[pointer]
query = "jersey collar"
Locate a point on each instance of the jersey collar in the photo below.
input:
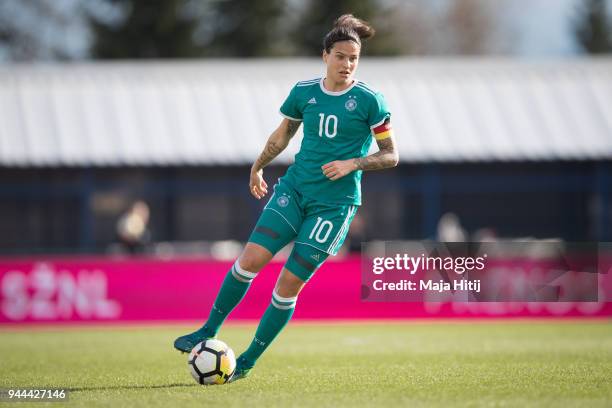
(325, 91)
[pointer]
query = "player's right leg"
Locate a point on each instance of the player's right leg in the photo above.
(274, 229)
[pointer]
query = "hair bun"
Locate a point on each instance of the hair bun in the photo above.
(362, 28)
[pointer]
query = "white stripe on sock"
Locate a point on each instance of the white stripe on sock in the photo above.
(282, 307)
(238, 277)
(283, 299)
(242, 272)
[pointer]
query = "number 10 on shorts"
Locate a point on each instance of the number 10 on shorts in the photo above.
(321, 230)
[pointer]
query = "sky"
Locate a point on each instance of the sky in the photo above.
(544, 27)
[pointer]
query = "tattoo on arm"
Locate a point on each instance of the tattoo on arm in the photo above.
(271, 150)
(274, 147)
(292, 127)
(385, 157)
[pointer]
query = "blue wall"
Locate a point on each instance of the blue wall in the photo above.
(74, 210)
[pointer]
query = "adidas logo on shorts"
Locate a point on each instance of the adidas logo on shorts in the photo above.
(315, 257)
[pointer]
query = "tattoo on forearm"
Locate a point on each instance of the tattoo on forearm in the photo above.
(385, 157)
(274, 148)
(269, 153)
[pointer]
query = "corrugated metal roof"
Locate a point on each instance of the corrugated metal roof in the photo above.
(222, 111)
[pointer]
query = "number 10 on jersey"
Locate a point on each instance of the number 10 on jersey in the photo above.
(328, 125)
(321, 230)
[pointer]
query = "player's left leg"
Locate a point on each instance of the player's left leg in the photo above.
(284, 298)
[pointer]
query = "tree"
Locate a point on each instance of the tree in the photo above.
(318, 16)
(593, 29)
(243, 28)
(189, 28)
(130, 29)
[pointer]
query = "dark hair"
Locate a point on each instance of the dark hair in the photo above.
(347, 28)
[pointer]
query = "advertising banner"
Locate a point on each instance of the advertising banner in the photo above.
(141, 289)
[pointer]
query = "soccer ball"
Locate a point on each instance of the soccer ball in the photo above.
(211, 362)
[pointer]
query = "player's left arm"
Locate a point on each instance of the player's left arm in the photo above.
(385, 157)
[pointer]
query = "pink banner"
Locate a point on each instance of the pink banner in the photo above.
(99, 289)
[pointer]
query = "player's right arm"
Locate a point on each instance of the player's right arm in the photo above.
(277, 142)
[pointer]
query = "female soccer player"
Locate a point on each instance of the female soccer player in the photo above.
(316, 200)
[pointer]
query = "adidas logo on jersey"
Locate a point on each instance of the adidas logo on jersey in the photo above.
(315, 257)
(312, 100)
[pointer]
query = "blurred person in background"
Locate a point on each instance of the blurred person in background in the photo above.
(450, 229)
(316, 200)
(133, 228)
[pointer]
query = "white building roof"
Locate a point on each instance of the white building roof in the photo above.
(222, 111)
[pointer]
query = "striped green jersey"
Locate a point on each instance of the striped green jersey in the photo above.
(337, 126)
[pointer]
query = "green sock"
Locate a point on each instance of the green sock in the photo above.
(275, 318)
(233, 289)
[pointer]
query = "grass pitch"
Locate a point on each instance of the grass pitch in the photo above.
(541, 363)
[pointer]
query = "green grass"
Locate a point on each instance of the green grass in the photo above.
(398, 364)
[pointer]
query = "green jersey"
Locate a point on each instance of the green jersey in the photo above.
(337, 126)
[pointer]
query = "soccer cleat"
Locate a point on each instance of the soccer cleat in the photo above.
(187, 342)
(243, 369)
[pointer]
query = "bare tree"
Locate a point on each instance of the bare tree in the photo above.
(469, 26)
(449, 27)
